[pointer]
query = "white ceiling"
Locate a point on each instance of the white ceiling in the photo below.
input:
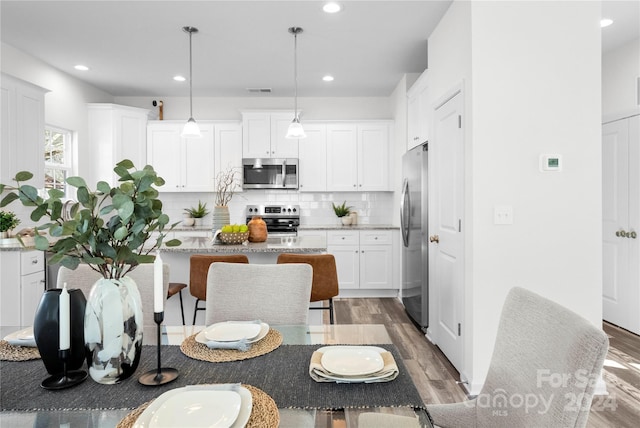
(134, 48)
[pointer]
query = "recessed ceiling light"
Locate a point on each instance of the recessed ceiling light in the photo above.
(328, 78)
(332, 7)
(179, 78)
(81, 67)
(605, 22)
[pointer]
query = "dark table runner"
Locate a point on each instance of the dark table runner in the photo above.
(283, 374)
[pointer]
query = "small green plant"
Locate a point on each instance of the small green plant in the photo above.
(341, 210)
(8, 221)
(199, 211)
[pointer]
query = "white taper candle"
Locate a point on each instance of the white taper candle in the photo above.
(64, 324)
(158, 294)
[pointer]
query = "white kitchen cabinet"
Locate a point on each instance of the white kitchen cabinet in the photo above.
(21, 130)
(358, 156)
(186, 164)
(228, 150)
(313, 159)
(116, 132)
(264, 134)
(21, 286)
(364, 259)
(418, 112)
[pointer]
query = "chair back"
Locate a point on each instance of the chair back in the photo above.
(325, 274)
(199, 269)
(545, 364)
(83, 277)
(277, 294)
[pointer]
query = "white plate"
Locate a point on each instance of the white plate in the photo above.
(22, 337)
(199, 406)
(352, 360)
(350, 379)
(232, 331)
(201, 337)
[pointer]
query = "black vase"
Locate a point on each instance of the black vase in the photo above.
(46, 331)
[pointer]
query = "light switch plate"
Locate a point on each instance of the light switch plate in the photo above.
(503, 214)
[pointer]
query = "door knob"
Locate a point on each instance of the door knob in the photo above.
(621, 233)
(434, 238)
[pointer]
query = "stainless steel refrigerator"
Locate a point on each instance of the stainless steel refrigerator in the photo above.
(413, 225)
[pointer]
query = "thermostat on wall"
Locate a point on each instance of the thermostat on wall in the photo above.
(550, 162)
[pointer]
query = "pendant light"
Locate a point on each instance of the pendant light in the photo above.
(191, 128)
(295, 128)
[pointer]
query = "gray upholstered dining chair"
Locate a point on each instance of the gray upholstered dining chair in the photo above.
(277, 294)
(545, 364)
(83, 277)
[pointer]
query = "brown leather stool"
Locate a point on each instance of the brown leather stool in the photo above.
(176, 288)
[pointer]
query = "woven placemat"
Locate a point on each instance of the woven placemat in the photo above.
(264, 412)
(9, 352)
(200, 351)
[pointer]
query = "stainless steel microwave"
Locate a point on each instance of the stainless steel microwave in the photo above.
(268, 173)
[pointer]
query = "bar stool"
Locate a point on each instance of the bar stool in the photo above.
(325, 277)
(176, 288)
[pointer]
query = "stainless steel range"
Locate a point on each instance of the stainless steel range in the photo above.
(281, 220)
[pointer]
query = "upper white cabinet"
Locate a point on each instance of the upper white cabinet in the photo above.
(21, 130)
(116, 132)
(191, 164)
(418, 112)
(264, 135)
(358, 156)
(312, 159)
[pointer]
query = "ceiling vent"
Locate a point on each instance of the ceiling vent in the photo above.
(259, 90)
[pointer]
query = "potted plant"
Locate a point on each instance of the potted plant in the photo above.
(112, 230)
(8, 221)
(342, 211)
(198, 213)
(225, 183)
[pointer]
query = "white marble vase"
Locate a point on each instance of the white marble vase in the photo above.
(113, 329)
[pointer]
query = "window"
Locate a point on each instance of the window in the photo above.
(57, 158)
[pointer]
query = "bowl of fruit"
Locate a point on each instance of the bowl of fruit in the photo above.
(234, 233)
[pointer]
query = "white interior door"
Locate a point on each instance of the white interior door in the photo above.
(446, 270)
(615, 218)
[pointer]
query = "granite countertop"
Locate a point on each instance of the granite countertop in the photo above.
(12, 244)
(299, 244)
(350, 227)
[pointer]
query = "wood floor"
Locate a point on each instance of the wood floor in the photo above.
(436, 378)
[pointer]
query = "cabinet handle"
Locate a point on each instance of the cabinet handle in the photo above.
(633, 235)
(362, 251)
(354, 185)
(34, 262)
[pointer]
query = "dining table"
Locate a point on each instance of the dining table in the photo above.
(297, 343)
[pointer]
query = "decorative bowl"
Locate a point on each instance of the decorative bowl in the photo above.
(233, 238)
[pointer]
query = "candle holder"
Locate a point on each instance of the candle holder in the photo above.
(66, 379)
(161, 375)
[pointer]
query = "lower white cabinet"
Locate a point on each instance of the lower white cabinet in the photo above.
(364, 259)
(20, 288)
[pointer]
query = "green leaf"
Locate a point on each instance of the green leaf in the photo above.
(70, 262)
(56, 210)
(28, 194)
(55, 193)
(40, 211)
(56, 231)
(76, 182)
(126, 163)
(2, 186)
(41, 243)
(145, 259)
(121, 233)
(104, 187)
(8, 199)
(24, 176)
(173, 243)
(83, 196)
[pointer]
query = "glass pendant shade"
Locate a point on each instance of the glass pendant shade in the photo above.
(191, 129)
(295, 130)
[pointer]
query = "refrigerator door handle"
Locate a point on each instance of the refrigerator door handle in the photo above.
(405, 210)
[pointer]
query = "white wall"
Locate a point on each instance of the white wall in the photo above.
(620, 73)
(398, 100)
(534, 88)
